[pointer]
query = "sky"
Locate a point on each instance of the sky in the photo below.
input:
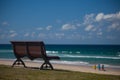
(60, 21)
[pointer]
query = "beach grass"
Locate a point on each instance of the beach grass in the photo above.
(19, 73)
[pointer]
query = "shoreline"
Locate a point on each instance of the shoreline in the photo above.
(78, 68)
(64, 62)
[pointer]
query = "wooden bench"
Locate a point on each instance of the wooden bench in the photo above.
(32, 50)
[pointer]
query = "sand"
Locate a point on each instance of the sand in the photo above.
(81, 68)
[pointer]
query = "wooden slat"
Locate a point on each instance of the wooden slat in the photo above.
(19, 49)
(35, 49)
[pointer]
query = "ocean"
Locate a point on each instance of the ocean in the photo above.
(109, 55)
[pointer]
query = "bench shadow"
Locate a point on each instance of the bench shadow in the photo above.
(37, 68)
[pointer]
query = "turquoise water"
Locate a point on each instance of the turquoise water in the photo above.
(76, 54)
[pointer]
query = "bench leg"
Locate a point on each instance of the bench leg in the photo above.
(14, 63)
(18, 61)
(46, 65)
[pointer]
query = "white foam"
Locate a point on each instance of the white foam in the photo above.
(71, 62)
(52, 52)
(62, 52)
(81, 56)
(78, 52)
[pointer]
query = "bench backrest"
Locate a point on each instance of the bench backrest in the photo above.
(31, 49)
(19, 49)
(36, 50)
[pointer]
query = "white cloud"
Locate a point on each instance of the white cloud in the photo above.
(102, 16)
(108, 16)
(108, 22)
(114, 26)
(99, 16)
(78, 24)
(59, 35)
(68, 27)
(99, 33)
(88, 19)
(48, 27)
(13, 35)
(26, 34)
(5, 23)
(12, 31)
(42, 35)
(40, 28)
(118, 15)
(89, 27)
(32, 34)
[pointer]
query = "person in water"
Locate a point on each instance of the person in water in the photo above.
(103, 69)
(94, 67)
(99, 67)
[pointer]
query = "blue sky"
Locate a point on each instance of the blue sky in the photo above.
(60, 21)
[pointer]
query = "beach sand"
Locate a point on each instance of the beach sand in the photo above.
(81, 68)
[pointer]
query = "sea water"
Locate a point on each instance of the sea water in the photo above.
(109, 55)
